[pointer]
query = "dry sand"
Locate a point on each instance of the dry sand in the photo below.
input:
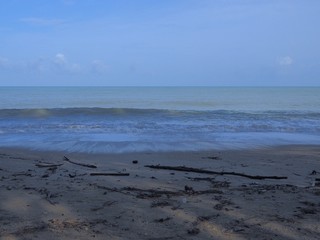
(66, 202)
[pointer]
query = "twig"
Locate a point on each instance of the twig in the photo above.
(22, 174)
(106, 204)
(155, 193)
(198, 170)
(47, 165)
(80, 164)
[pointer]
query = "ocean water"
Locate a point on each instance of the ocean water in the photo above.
(130, 119)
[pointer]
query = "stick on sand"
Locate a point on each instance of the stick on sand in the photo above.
(198, 170)
(80, 164)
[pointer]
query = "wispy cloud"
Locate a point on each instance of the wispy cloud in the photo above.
(98, 66)
(56, 64)
(61, 62)
(60, 59)
(285, 61)
(42, 21)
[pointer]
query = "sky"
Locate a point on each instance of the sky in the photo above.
(160, 43)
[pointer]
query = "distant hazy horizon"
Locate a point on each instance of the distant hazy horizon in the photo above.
(238, 98)
(169, 86)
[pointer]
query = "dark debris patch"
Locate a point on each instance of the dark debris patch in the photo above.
(194, 231)
(161, 220)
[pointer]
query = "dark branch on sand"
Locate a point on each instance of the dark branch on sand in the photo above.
(47, 165)
(155, 193)
(80, 164)
(198, 170)
(22, 174)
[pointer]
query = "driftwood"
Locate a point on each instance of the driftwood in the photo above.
(155, 193)
(109, 174)
(209, 179)
(48, 165)
(80, 164)
(213, 158)
(22, 174)
(106, 204)
(198, 170)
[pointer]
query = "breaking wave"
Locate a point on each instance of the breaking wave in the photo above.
(134, 129)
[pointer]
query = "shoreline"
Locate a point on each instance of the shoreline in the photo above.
(66, 202)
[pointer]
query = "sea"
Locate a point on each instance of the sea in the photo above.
(153, 119)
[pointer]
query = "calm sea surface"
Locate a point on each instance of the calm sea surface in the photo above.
(124, 119)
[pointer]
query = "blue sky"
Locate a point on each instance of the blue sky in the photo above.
(160, 42)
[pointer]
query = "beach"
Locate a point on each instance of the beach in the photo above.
(159, 120)
(44, 195)
(171, 163)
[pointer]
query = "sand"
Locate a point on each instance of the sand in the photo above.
(66, 202)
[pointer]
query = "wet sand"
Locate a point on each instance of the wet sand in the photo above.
(43, 196)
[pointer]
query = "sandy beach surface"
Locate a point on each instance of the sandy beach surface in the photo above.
(44, 196)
